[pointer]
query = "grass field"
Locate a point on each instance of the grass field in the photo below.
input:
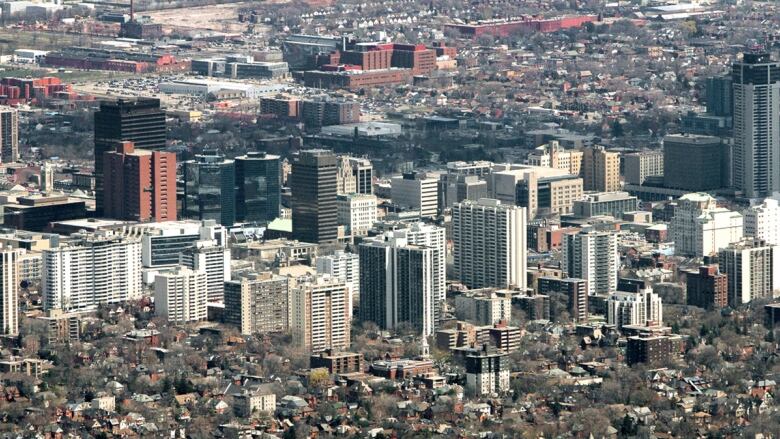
(66, 75)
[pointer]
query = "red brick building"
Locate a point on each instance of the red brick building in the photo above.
(708, 288)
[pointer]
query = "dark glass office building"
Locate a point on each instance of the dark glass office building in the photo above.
(209, 188)
(258, 187)
(313, 185)
(139, 120)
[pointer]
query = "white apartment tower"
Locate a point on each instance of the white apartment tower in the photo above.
(753, 270)
(180, 295)
(344, 266)
(9, 291)
(762, 221)
(642, 308)
(212, 259)
(489, 244)
(592, 256)
(417, 191)
(701, 228)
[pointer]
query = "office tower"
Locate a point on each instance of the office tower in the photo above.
(212, 259)
(47, 177)
(363, 175)
(576, 291)
(344, 266)
(707, 288)
(640, 165)
(258, 303)
(762, 221)
(700, 228)
(694, 163)
(756, 125)
(91, 270)
(642, 308)
(313, 185)
(605, 203)
(9, 135)
(552, 155)
(36, 212)
(543, 191)
(397, 283)
(489, 244)
(258, 187)
(357, 213)
(180, 295)
(592, 256)
(320, 317)
(652, 349)
(753, 270)
(209, 188)
(163, 243)
(600, 169)
(139, 185)
(455, 188)
(720, 95)
(345, 179)
(484, 307)
(487, 372)
(9, 291)
(139, 120)
(416, 191)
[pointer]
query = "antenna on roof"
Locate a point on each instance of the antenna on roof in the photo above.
(132, 11)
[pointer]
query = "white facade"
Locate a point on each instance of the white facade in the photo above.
(357, 212)
(214, 260)
(416, 191)
(483, 308)
(9, 291)
(700, 228)
(180, 295)
(319, 314)
(344, 266)
(643, 308)
(489, 244)
(92, 270)
(753, 270)
(640, 165)
(592, 256)
(763, 221)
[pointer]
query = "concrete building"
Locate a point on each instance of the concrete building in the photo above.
(319, 314)
(489, 240)
(9, 291)
(642, 308)
(214, 260)
(543, 191)
(346, 267)
(576, 291)
(592, 256)
(416, 191)
(605, 203)
(762, 221)
(357, 213)
(600, 169)
(355, 175)
(314, 208)
(398, 283)
(753, 270)
(487, 372)
(707, 288)
(638, 166)
(455, 188)
(695, 162)
(258, 303)
(552, 155)
(9, 135)
(91, 270)
(700, 228)
(484, 307)
(180, 295)
(139, 185)
(756, 82)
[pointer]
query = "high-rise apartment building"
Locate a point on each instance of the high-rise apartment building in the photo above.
(416, 191)
(753, 270)
(593, 256)
(344, 266)
(209, 188)
(487, 372)
(640, 165)
(9, 291)
(642, 308)
(576, 291)
(700, 228)
(707, 288)
(139, 185)
(214, 260)
(600, 169)
(90, 270)
(258, 187)
(319, 314)
(762, 221)
(139, 120)
(9, 135)
(489, 244)
(756, 81)
(398, 283)
(180, 295)
(258, 303)
(313, 185)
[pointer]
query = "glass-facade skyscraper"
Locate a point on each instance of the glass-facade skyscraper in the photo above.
(209, 188)
(258, 187)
